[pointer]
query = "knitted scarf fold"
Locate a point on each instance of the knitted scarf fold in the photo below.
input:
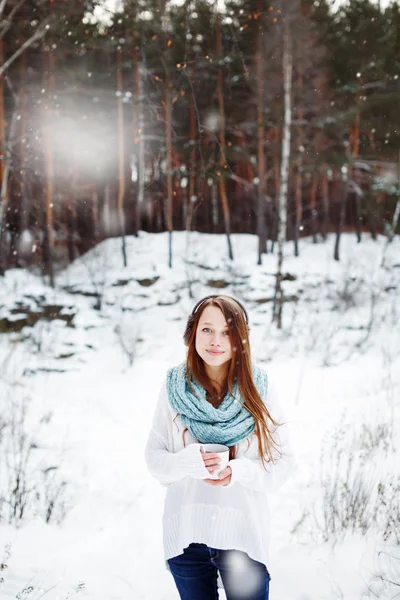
(227, 424)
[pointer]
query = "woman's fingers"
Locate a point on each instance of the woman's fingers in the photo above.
(211, 461)
(210, 456)
(224, 478)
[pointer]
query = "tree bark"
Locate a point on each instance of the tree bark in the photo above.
(396, 213)
(95, 214)
(261, 212)
(285, 162)
(325, 203)
(313, 210)
(23, 205)
(3, 172)
(222, 161)
(121, 158)
(275, 207)
(341, 216)
(299, 174)
(358, 206)
(168, 110)
(138, 135)
(355, 153)
(192, 167)
(49, 234)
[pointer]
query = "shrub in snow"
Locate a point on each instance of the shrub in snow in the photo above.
(385, 582)
(36, 589)
(29, 486)
(347, 293)
(128, 335)
(357, 492)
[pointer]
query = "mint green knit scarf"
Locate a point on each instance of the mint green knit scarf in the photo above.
(227, 424)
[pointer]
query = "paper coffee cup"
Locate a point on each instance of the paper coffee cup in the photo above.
(223, 452)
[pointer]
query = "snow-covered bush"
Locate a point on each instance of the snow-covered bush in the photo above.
(36, 588)
(357, 492)
(29, 485)
(347, 293)
(128, 335)
(385, 582)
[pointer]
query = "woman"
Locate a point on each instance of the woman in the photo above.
(216, 531)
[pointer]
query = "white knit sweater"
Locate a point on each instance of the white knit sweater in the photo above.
(232, 517)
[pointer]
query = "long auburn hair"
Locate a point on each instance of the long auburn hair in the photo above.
(240, 368)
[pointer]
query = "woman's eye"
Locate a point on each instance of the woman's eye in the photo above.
(206, 329)
(226, 332)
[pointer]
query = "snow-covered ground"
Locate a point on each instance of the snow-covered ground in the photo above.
(88, 412)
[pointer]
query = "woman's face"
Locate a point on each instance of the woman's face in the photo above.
(213, 342)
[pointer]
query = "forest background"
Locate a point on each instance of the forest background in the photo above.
(253, 147)
(243, 116)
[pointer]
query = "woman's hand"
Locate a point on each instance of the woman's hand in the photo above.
(211, 460)
(224, 478)
(212, 463)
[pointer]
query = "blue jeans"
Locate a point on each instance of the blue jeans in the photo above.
(196, 571)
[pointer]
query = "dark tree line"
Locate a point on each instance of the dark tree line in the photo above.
(165, 117)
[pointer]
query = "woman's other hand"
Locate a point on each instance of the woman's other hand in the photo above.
(211, 460)
(224, 478)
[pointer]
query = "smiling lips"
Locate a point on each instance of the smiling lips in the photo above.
(214, 352)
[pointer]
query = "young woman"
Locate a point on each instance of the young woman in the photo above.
(216, 531)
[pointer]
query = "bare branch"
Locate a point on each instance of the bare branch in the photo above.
(2, 6)
(39, 34)
(243, 182)
(9, 18)
(354, 187)
(11, 88)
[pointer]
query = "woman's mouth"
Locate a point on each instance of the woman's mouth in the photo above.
(215, 352)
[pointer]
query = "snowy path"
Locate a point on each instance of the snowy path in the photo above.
(111, 539)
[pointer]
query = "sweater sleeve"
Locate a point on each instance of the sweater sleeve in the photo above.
(164, 464)
(251, 473)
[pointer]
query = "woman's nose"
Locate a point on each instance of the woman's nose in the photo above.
(216, 339)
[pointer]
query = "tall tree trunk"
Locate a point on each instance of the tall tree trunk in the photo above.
(214, 208)
(222, 161)
(23, 250)
(313, 202)
(374, 202)
(356, 131)
(166, 60)
(358, 203)
(396, 214)
(341, 215)
(299, 174)
(121, 158)
(71, 228)
(2, 116)
(49, 157)
(168, 115)
(138, 134)
(276, 170)
(3, 174)
(192, 167)
(325, 203)
(106, 212)
(314, 188)
(95, 214)
(261, 222)
(285, 163)
(355, 153)
(71, 210)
